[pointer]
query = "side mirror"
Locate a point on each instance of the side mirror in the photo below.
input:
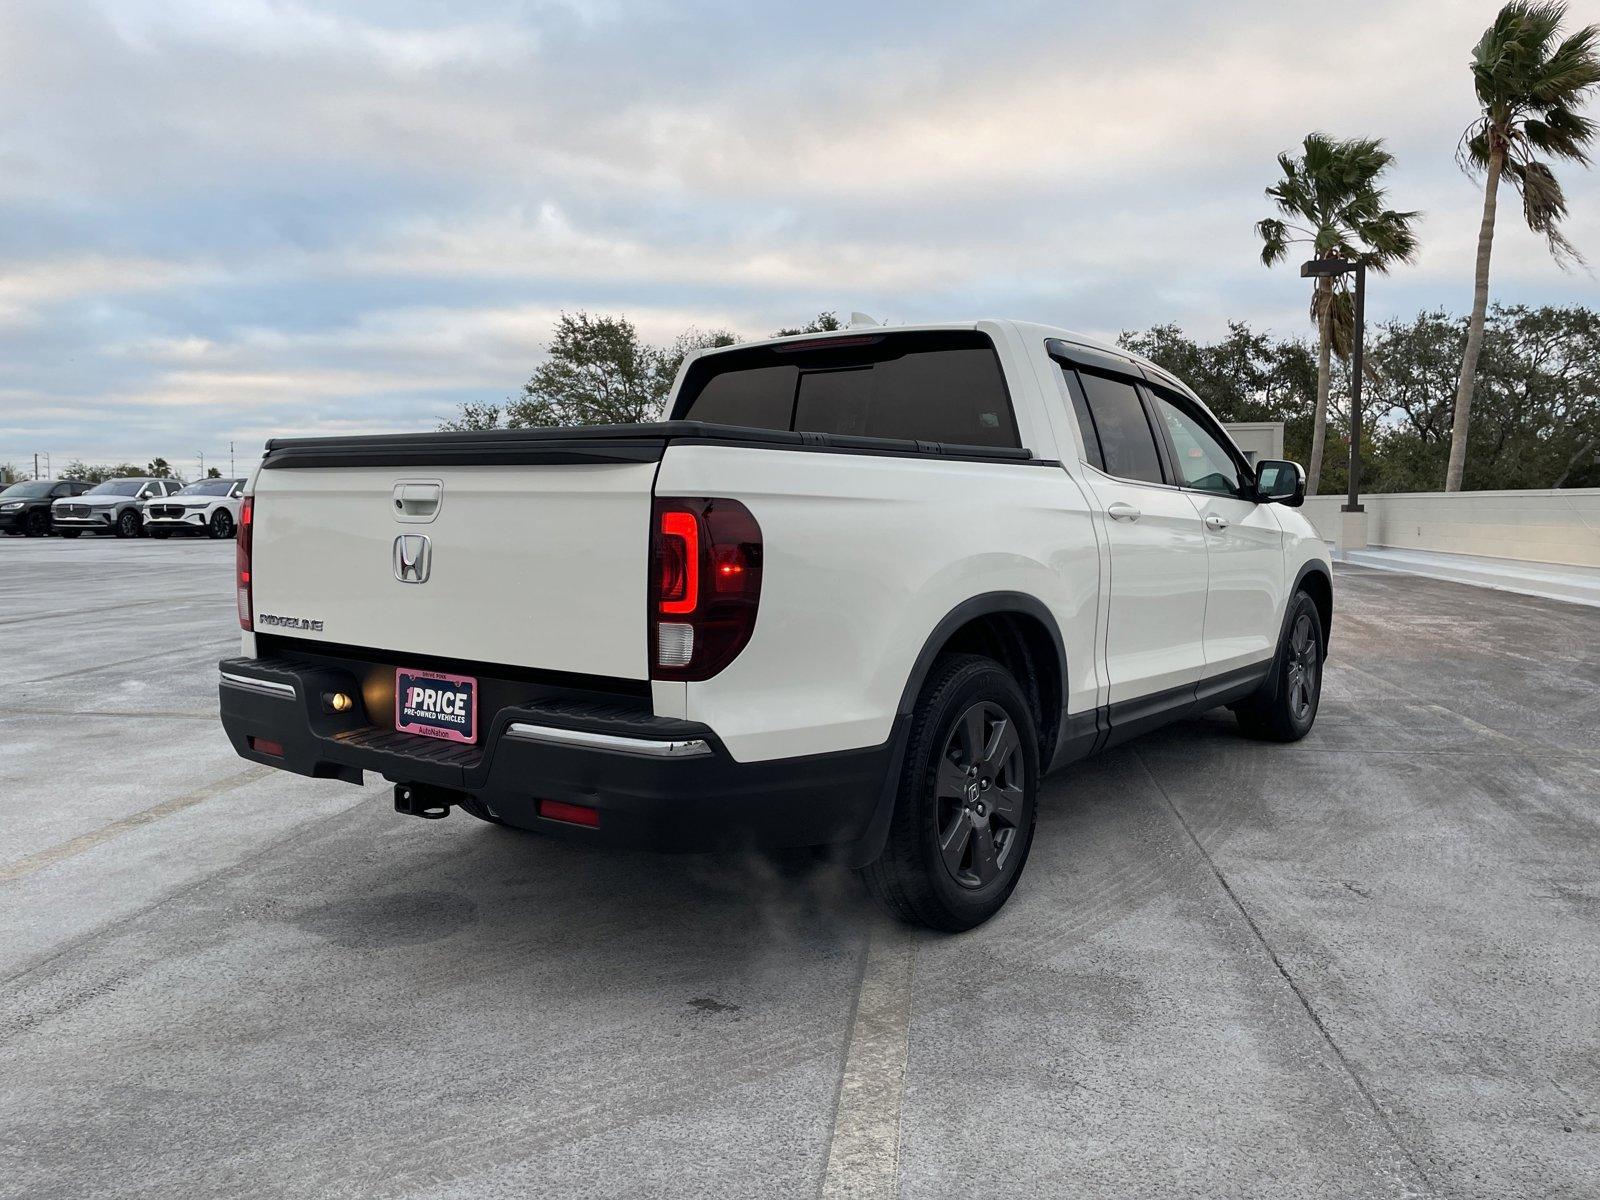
(1279, 481)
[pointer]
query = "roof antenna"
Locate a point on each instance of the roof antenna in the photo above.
(859, 320)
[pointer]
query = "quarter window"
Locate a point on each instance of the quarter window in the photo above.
(1127, 443)
(1203, 461)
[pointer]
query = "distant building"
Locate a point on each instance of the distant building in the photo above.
(1258, 439)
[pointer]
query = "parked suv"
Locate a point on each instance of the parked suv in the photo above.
(110, 507)
(208, 506)
(25, 507)
(859, 592)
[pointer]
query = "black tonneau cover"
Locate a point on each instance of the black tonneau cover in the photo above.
(590, 444)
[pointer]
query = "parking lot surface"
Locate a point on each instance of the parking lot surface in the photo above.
(1364, 965)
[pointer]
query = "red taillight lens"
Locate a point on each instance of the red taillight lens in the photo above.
(706, 585)
(678, 562)
(241, 557)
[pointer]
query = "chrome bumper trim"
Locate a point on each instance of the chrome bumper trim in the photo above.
(266, 686)
(646, 747)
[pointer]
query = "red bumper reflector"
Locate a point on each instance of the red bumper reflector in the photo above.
(572, 814)
(262, 746)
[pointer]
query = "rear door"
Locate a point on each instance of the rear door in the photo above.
(540, 566)
(1245, 593)
(1155, 637)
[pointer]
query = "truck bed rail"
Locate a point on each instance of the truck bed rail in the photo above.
(595, 444)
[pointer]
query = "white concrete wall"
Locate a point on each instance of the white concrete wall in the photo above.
(1553, 526)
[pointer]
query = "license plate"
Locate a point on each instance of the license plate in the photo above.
(435, 705)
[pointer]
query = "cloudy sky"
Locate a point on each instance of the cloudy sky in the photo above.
(228, 219)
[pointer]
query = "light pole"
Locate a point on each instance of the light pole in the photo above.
(1354, 529)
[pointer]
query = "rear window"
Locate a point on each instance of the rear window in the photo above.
(932, 387)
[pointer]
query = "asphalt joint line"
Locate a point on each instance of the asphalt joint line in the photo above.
(1349, 1068)
(864, 1148)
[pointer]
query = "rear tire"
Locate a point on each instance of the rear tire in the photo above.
(1287, 713)
(964, 813)
(158, 534)
(68, 533)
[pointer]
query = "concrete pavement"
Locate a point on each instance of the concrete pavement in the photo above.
(1364, 965)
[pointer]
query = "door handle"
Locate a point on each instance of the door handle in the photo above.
(1215, 523)
(1121, 511)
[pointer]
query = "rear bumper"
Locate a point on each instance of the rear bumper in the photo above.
(655, 783)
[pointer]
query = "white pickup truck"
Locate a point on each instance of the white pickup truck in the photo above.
(860, 591)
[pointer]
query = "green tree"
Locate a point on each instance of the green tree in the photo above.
(1330, 200)
(598, 372)
(823, 322)
(78, 469)
(213, 473)
(1530, 88)
(473, 416)
(1244, 376)
(1536, 418)
(159, 468)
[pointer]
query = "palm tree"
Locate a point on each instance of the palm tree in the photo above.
(1530, 90)
(1330, 200)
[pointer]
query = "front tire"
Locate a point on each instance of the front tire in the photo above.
(36, 526)
(128, 524)
(220, 526)
(964, 814)
(1287, 713)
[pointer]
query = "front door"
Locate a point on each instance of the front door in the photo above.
(1245, 596)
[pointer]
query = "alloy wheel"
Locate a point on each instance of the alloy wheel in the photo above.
(1303, 668)
(979, 795)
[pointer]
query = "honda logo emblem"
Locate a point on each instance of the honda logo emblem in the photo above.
(413, 558)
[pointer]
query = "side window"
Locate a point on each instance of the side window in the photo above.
(1080, 410)
(1203, 461)
(1127, 442)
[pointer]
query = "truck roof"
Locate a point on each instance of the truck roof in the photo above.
(1027, 330)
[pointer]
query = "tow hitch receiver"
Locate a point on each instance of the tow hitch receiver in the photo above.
(423, 800)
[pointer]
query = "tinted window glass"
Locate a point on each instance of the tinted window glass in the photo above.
(1203, 461)
(115, 487)
(28, 491)
(1080, 409)
(761, 396)
(933, 387)
(1126, 440)
(208, 487)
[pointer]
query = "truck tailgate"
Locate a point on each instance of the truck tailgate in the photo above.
(541, 566)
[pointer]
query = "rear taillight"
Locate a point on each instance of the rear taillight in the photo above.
(705, 585)
(241, 556)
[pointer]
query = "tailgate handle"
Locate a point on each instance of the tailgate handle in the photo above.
(417, 500)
